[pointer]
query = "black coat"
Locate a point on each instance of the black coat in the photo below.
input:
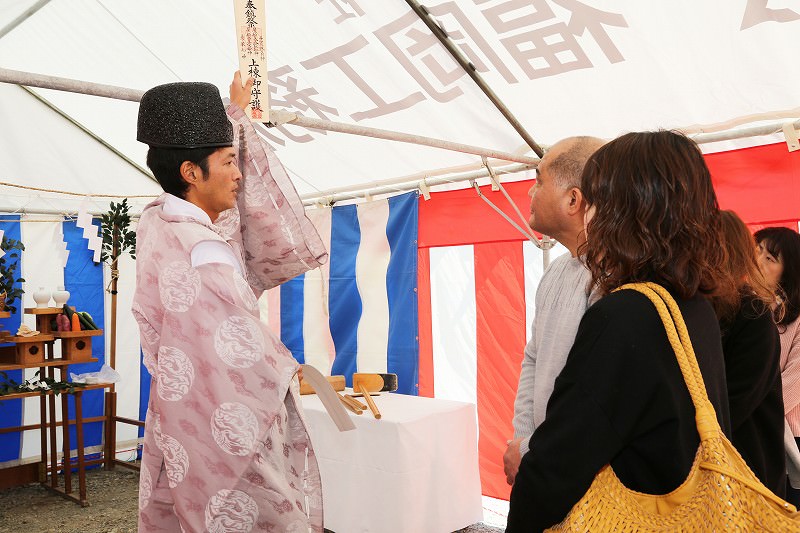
(620, 399)
(752, 350)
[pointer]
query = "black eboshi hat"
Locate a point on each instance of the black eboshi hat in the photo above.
(183, 115)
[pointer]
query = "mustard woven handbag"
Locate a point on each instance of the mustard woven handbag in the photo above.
(721, 493)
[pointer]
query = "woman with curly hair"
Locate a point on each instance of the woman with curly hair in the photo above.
(779, 257)
(621, 397)
(752, 358)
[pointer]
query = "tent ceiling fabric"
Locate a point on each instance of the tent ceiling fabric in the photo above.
(563, 67)
(43, 150)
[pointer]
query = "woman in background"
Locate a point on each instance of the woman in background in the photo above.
(621, 397)
(779, 258)
(752, 358)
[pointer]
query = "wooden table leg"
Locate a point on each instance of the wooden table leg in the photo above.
(112, 427)
(79, 438)
(66, 462)
(43, 436)
(108, 450)
(51, 400)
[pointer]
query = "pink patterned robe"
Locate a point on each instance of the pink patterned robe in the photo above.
(225, 447)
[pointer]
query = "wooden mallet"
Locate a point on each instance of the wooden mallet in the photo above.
(337, 382)
(365, 383)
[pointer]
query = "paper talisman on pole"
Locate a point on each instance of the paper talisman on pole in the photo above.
(251, 41)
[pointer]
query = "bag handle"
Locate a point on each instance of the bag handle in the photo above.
(707, 425)
(705, 416)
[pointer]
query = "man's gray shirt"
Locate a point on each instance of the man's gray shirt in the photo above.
(561, 301)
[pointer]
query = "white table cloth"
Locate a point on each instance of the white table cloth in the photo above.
(413, 471)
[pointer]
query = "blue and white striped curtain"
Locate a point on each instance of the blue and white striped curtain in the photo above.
(42, 266)
(357, 313)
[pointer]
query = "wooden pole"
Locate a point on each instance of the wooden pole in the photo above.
(109, 446)
(111, 404)
(114, 277)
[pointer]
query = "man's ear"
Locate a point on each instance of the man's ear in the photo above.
(188, 172)
(575, 202)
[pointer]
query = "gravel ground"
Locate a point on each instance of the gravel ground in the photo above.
(112, 507)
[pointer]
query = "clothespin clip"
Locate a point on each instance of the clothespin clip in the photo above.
(367, 197)
(790, 134)
(424, 189)
(492, 175)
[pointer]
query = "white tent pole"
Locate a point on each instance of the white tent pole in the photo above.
(755, 131)
(43, 81)
(121, 93)
(405, 184)
(333, 196)
(416, 177)
(429, 178)
(439, 32)
(353, 129)
(23, 17)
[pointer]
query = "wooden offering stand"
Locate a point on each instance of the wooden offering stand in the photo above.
(29, 350)
(37, 352)
(43, 316)
(76, 346)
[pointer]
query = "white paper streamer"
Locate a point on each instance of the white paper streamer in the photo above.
(2, 252)
(90, 231)
(63, 252)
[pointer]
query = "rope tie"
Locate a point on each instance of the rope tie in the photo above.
(114, 277)
(69, 193)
